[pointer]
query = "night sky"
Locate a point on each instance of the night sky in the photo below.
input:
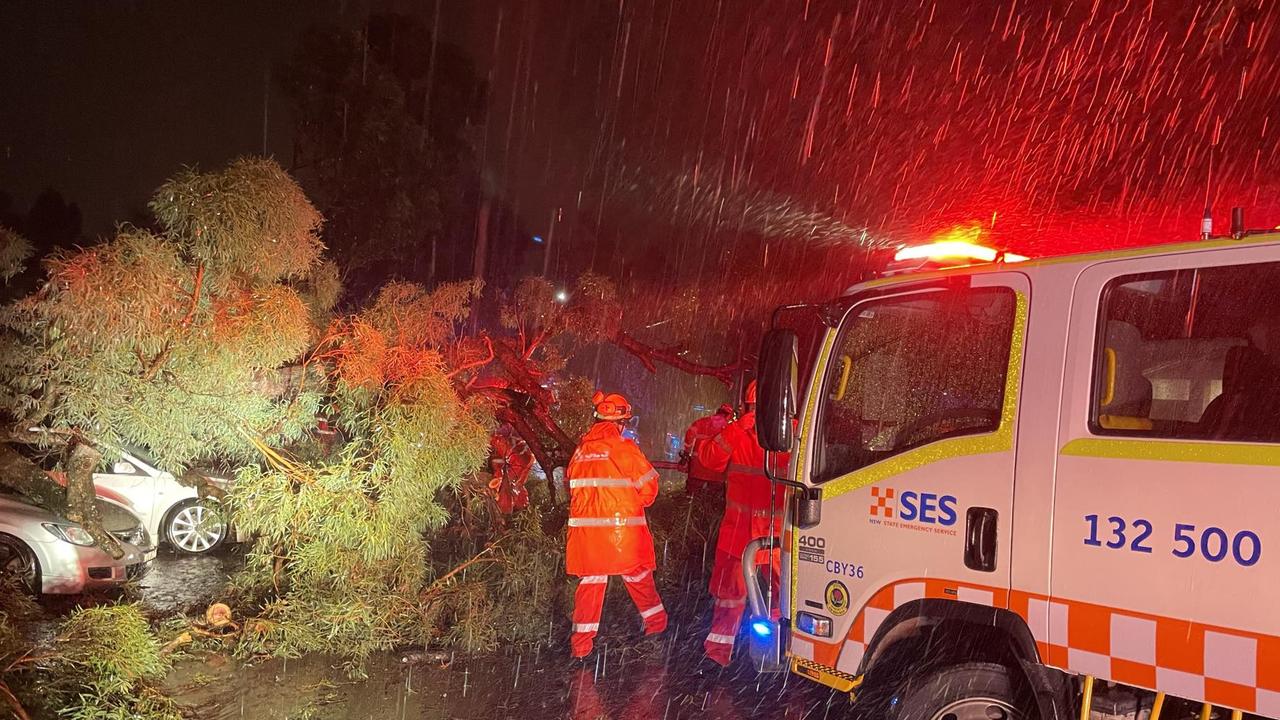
(1059, 124)
(102, 101)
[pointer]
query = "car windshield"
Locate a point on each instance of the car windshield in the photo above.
(142, 455)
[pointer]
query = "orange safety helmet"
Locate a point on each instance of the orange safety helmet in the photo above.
(611, 407)
(751, 393)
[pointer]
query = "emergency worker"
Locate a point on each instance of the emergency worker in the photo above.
(510, 463)
(610, 484)
(699, 476)
(752, 509)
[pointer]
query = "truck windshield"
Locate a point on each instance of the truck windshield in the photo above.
(911, 370)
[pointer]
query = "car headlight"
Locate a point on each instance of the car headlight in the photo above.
(73, 534)
(134, 536)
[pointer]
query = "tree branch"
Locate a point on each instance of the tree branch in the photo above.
(649, 356)
(157, 362)
(24, 476)
(546, 460)
(478, 363)
(12, 700)
(195, 297)
(522, 376)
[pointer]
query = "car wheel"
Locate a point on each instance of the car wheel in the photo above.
(972, 691)
(18, 564)
(195, 527)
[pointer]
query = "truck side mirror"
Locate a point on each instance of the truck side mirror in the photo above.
(776, 390)
(808, 507)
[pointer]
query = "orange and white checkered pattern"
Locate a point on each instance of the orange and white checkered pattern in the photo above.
(847, 656)
(1225, 667)
(1232, 668)
(883, 497)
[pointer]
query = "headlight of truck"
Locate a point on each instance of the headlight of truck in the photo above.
(812, 624)
(73, 534)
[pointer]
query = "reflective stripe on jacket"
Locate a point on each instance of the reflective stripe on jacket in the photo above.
(610, 484)
(747, 514)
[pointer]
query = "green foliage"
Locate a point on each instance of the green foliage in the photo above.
(15, 250)
(160, 340)
(251, 220)
(115, 643)
(573, 409)
(513, 599)
(100, 666)
(340, 553)
(595, 310)
(321, 292)
(411, 316)
(591, 313)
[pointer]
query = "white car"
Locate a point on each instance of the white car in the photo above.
(172, 513)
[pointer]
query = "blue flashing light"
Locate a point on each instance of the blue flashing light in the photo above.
(537, 239)
(762, 628)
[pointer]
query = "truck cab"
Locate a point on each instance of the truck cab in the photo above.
(1014, 480)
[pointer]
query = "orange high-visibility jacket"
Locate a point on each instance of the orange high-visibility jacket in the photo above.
(747, 515)
(702, 431)
(610, 484)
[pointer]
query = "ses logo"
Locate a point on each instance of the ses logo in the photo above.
(923, 511)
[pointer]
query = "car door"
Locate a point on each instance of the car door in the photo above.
(913, 446)
(1165, 541)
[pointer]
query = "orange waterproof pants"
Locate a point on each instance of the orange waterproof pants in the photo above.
(731, 602)
(588, 601)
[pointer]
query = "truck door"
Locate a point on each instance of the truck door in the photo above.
(1165, 544)
(910, 433)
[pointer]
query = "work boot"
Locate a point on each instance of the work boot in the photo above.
(710, 668)
(575, 664)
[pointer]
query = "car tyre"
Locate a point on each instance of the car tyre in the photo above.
(18, 562)
(196, 526)
(971, 691)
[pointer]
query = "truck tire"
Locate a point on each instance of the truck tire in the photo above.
(972, 691)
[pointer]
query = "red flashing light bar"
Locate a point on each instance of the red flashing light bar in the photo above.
(954, 250)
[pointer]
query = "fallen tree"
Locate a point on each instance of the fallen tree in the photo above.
(155, 339)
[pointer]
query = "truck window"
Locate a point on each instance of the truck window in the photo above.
(911, 370)
(1191, 354)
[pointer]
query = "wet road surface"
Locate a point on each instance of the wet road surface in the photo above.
(625, 679)
(526, 685)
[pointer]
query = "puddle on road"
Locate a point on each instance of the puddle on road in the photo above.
(527, 686)
(186, 584)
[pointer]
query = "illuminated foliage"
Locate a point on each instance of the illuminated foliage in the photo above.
(159, 339)
(15, 250)
(102, 664)
(340, 554)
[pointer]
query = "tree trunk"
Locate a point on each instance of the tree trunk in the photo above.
(27, 479)
(82, 506)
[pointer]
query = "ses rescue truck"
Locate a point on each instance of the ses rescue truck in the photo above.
(1031, 489)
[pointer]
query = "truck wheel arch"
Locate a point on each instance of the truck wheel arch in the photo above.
(913, 618)
(905, 620)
